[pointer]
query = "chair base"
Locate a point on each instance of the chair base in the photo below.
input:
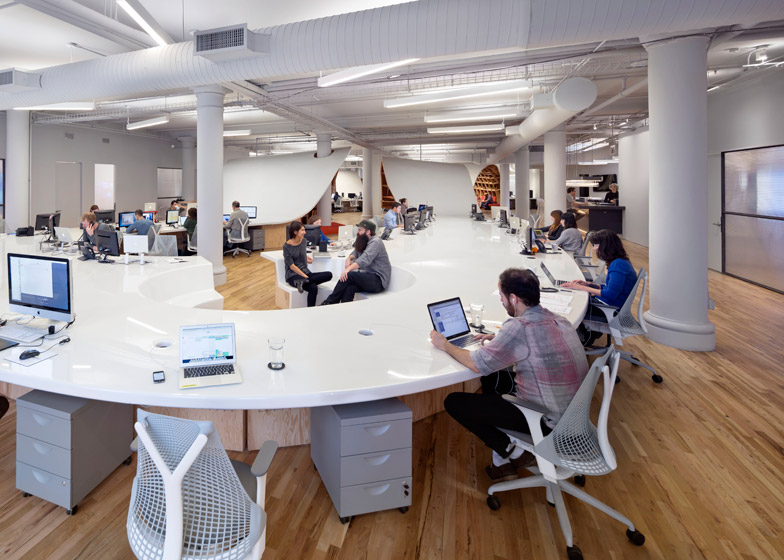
(629, 357)
(235, 251)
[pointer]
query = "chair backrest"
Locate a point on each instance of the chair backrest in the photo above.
(576, 443)
(165, 246)
(624, 321)
(192, 244)
(151, 235)
(187, 500)
(244, 235)
(533, 219)
(586, 245)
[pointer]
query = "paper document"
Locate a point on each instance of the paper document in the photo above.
(15, 352)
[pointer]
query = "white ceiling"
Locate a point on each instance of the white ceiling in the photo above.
(41, 33)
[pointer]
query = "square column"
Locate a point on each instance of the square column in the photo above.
(17, 169)
(324, 207)
(554, 172)
(522, 182)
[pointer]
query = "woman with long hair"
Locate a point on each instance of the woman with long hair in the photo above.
(554, 232)
(296, 260)
(570, 239)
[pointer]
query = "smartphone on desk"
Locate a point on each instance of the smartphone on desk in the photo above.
(158, 377)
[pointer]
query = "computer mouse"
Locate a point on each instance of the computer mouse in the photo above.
(27, 354)
(366, 332)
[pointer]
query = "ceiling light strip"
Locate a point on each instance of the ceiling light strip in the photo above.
(148, 122)
(466, 129)
(461, 93)
(360, 71)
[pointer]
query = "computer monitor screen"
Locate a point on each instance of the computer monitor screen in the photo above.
(135, 244)
(313, 234)
(585, 192)
(502, 217)
(107, 242)
(473, 209)
(42, 220)
(172, 216)
(104, 216)
(127, 218)
(227, 216)
(148, 215)
(182, 220)
(250, 211)
(352, 195)
(40, 286)
(421, 207)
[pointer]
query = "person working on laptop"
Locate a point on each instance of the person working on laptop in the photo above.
(141, 226)
(296, 261)
(619, 282)
(570, 238)
(367, 268)
(390, 218)
(234, 225)
(548, 363)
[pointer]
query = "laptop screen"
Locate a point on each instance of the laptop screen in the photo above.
(206, 345)
(449, 318)
(547, 273)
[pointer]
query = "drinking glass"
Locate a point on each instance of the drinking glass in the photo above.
(276, 353)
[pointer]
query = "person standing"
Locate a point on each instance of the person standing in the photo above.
(612, 196)
(296, 260)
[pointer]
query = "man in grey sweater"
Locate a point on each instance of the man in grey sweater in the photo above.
(367, 268)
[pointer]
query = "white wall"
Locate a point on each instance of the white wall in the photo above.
(348, 181)
(633, 185)
(445, 186)
(747, 115)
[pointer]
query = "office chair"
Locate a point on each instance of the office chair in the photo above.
(236, 241)
(192, 245)
(337, 205)
(189, 500)
(151, 235)
(591, 272)
(533, 219)
(623, 324)
(164, 246)
(574, 447)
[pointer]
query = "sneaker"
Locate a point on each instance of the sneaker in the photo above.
(298, 284)
(511, 467)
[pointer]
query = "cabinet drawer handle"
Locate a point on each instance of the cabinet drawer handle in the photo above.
(377, 490)
(41, 420)
(378, 430)
(41, 477)
(41, 448)
(378, 459)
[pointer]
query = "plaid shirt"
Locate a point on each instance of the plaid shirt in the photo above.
(548, 359)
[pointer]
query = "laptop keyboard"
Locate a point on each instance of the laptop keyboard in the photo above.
(209, 371)
(462, 341)
(22, 334)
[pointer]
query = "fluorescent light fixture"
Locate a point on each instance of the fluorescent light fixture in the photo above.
(598, 162)
(474, 115)
(354, 158)
(67, 106)
(149, 122)
(466, 129)
(360, 71)
(135, 14)
(245, 132)
(713, 88)
(596, 146)
(459, 93)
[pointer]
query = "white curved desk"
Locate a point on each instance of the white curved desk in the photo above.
(123, 310)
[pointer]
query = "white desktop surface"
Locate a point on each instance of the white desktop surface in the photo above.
(122, 311)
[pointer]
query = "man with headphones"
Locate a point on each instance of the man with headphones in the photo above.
(548, 365)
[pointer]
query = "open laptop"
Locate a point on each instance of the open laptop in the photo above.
(208, 356)
(450, 320)
(551, 278)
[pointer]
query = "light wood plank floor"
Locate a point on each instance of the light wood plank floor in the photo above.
(700, 466)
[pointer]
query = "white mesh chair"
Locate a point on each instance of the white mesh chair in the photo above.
(574, 447)
(623, 324)
(533, 219)
(237, 241)
(164, 246)
(192, 245)
(189, 500)
(151, 235)
(591, 272)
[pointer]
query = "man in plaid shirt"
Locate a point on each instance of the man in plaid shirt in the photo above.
(549, 364)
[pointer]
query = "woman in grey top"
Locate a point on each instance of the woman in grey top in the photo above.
(296, 260)
(570, 239)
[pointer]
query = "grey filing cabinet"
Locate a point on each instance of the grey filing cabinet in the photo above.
(65, 446)
(256, 239)
(363, 453)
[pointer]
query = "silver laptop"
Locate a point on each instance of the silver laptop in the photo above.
(63, 235)
(208, 356)
(450, 320)
(551, 278)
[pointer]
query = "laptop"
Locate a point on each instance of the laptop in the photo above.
(551, 278)
(208, 356)
(450, 320)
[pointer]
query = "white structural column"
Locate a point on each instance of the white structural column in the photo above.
(188, 167)
(209, 177)
(554, 172)
(367, 183)
(17, 169)
(376, 171)
(504, 194)
(522, 182)
(678, 209)
(324, 149)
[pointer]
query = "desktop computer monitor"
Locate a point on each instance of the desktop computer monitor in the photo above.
(40, 286)
(107, 243)
(352, 195)
(421, 207)
(409, 222)
(172, 217)
(423, 215)
(250, 211)
(104, 216)
(127, 218)
(312, 234)
(42, 221)
(226, 218)
(502, 220)
(148, 215)
(473, 209)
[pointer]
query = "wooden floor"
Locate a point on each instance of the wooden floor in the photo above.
(700, 467)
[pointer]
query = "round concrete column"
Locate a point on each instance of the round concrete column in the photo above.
(209, 177)
(522, 182)
(678, 208)
(17, 169)
(324, 207)
(504, 194)
(188, 167)
(377, 195)
(367, 183)
(554, 172)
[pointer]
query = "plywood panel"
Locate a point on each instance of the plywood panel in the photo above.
(13, 391)
(274, 236)
(428, 403)
(229, 423)
(287, 427)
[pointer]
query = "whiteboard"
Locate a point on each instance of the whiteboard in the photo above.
(169, 182)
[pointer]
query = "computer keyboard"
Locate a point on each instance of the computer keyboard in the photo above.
(209, 371)
(22, 334)
(463, 341)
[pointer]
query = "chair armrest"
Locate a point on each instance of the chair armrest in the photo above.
(525, 404)
(135, 444)
(263, 459)
(533, 415)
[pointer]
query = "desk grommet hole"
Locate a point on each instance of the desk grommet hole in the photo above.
(163, 343)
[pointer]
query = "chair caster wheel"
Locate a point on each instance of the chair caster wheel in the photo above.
(579, 480)
(403, 509)
(635, 536)
(551, 504)
(493, 503)
(128, 461)
(617, 379)
(657, 378)
(71, 511)
(574, 553)
(26, 494)
(345, 520)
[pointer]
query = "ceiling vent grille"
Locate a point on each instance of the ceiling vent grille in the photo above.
(12, 80)
(230, 43)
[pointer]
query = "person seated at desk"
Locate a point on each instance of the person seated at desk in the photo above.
(234, 225)
(548, 366)
(554, 231)
(296, 260)
(90, 225)
(93, 208)
(391, 217)
(190, 222)
(316, 221)
(570, 239)
(612, 196)
(367, 268)
(619, 281)
(141, 226)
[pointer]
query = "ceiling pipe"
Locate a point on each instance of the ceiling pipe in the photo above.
(624, 93)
